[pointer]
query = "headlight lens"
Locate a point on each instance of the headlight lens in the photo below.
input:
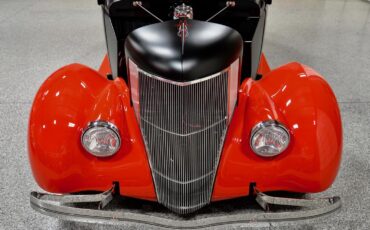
(269, 138)
(101, 139)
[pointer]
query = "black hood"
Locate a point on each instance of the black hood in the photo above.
(165, 50)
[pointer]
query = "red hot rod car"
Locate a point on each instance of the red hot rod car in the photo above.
(184, 111)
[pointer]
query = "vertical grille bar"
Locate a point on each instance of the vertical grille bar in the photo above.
(183, 127)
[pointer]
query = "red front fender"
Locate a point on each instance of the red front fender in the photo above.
(71, 98)
(299, 98)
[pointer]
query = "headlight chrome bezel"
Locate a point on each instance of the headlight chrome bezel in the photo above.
(267, 124)
(102, 124)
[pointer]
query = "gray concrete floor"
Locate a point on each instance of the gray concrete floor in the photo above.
(39, 36)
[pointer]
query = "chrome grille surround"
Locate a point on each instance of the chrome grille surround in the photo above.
(183, 125)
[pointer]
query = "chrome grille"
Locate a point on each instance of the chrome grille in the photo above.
(183, 127)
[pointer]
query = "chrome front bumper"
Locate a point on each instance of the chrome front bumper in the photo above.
(59, 206)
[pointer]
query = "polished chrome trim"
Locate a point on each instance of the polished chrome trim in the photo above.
(53, 205)
(104, 124)
(182, 182)
(140, 4)
(265, 124)
(188, 134)
(183, 11)
(187, 83)
(228, 4)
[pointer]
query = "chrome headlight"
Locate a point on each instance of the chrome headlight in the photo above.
(101, 139)
(269, 138)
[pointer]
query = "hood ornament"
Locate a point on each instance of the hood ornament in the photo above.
(182, 27)
(182, 13)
